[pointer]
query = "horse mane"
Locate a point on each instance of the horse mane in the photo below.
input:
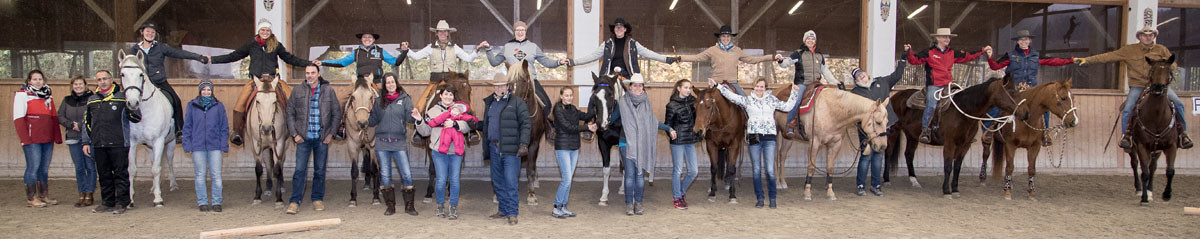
(971, 98)
(522, 83)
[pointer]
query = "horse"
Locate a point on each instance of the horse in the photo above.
(267, 133)
(722, 125)
(523, 87)
(1154, 131)
(361, 139)
(603, 102)
(156, 130)
(461, 83)
(909, 128)
(1053, 97)
(832, 112)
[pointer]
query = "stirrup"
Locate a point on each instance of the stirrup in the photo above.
(1126, 142)
(1185, 142)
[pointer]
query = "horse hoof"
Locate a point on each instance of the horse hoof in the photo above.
(174, 187)
(532, 201)
(429, 200)
(1145, 203)
(267, 193)
(807, 198)
(375, 202)
(256, 202)
(159, 204)
(947, 196)
(887, 183)
(353, 203)
(733, 201)
(278, 205)
(956, 195)
(603, 203)
(1150, 195)
(712, 199)
(832, 197)
(1032, 198)
(914, 182)
(1007, 198)
(1137, 193)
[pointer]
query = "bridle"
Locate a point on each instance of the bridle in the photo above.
(1160, 134)
(141, 85)
(1000, 120)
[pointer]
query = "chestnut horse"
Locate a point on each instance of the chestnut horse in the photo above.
(1154, 131)
(266, 132)
(1053, 97)
(722, 125)
(461, 83)
(361, 139)
(522, 86)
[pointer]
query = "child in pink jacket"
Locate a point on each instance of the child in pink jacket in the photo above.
(449, 134)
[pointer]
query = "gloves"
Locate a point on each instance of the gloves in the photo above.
(522, 151)
(1080, 61)
(672, 60)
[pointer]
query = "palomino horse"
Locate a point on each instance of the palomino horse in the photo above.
(1154, 131)
(832, 113)
(1053, 97)
(722, 125)
(156, 130)
(266, 131)
(361, 139)
(522, 86)
(461, 83)
(602, 104)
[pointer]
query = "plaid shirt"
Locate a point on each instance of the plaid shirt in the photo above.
(314, 115)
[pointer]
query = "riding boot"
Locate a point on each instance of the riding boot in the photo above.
(925, 136)
(43, 193)
(1185, 142)
(988, 136)
(82, 196)
(408, 202)
(791, 129)
(88, 200)
(239, 125)
(1126, 142)
(31, 196)
(389, 198)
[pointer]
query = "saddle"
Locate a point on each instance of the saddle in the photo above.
(810, 95)
(917, 101)
(280, 95)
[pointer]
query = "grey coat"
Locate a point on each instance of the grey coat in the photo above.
(297, 109)
(515, 51)
(391, 122)
(70, 112)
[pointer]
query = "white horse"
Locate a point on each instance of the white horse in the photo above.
(156, 130)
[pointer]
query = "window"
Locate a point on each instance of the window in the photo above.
(1179, 31)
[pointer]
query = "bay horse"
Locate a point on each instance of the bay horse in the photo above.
(522, 86)
(832, 113)
(1053, 97)
(602, 103)
(909, 128)
(1154, 131)
(722, 125)
(461, 83)
(361, 139)
(155, 130)
(266, 132)
(960, 122)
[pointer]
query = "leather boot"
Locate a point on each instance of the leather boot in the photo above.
(31, 196)
(1126, 142)
(924, 139)
(43, 193)
(88, 200)
(408, 202)
(238, 127)
(790, 131)
(389, 198)
(1185, 142)
(82, 196)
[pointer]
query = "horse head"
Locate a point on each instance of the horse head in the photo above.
(707, 109)
(604, 95)
(875, 125)
(266, 106)
(521, 83)
(1160, 74)
(360, 103)
(1002, 93)
(133, 77)
(1056, 97)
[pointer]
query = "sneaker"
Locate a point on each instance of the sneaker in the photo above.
(861, 191)
(772, 205)
(102, 209)
(557, 213)
(120, 209)
(678, 204)
(512, 220)
(683, 201)
(453, 215)
(568, 212)
(216, 208)
(629, 209)
(877, 191)
(759, 204)
(318, 206)
(639, 209)
(293, 208)
(440, 211)
(203, 208)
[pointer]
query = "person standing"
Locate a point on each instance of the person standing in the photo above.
(938, 60)
(206, 137)
(506, 123)
(447, 163)
(810, 67)
(566, 146)
(156, 54)
(105, 130)
(36, 121)
(681, 117)
(264, 51)
(877, 89)
(313, 114)
(639, 142)
(70, 116)
(621, 52)
(390, 119)
(760, 105)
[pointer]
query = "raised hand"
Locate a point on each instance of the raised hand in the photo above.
(316, 63)
(907, 47)
(778, 57)
(712, 82)
(484, 45)
(989, 52)
(1080, 61)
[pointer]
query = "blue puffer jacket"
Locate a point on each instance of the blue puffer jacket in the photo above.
(205, 129)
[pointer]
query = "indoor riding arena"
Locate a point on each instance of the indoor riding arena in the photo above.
(93, 82)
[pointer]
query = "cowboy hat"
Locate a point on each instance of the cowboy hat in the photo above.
(499, 79)
(1023, 33)
(1148, 30)
(725, 30)
(620, 22)
(443, 26)
(943, 32)
(368, 31)
(635, 79)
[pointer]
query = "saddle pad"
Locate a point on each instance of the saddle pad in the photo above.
(916, 100)
(808, 106)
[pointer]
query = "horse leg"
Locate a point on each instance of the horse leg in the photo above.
(1170, 154)
(957, 169)
(373, 177)
(132, 170)
(258, 172)
(1009, 166)
(1144, 162)
(170, 157)
(910, 154)
(276, 164)
(947, 170)
(830, 161)
(531, 175)
(731, 175)
(156, 169)
(353, 180)
(1031, 155)
(714, 169)
(890, 155)
(812, 167)
(605, 152)
(1137, 178)
(987, 152)
(432, 180)
(1149, 178)
(780, 161)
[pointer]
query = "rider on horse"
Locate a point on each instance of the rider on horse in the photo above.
(264, 51)
(620, 51)
(810, 66)
(1023, 63)
(368, 57)
(1134, 55)
(938, 61)
(443, 55)
(156, 54)
(521, 49)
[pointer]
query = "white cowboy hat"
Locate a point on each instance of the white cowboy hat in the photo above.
(1148, 30)
(943, 32)
(443, 26)
(635, 79)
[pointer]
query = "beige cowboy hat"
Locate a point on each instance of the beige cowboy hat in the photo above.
(635, 79)
(443, 26)
(499, 79)
(943, 32)
(1148, 30)
(1023, 33)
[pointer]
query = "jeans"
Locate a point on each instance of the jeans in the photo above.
(681, 153)
(112, 165)
(85, 169)
(792, 113)
(1131, 99)
(505, 169)
(37, 162)
(447, 166)
(873, 160)
(634, 182)
(207, 162)
(400, 158)
(318, 151)
(763, 155)
(567, 159)
(996, 112)
(931, 102)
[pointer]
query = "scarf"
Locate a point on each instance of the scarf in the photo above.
(641, 129)
(260, 40)
(389, 98)
(41, 92)
(724, 47)
(105, 92)
(207, 102)
(78, 100)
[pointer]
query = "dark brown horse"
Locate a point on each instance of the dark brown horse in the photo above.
(908, 128)
(1154, 130)
(602, 103)
(1053, 97)
(522, 86)
(461, 83)
(722, 125)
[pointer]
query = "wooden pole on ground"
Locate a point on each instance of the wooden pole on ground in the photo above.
(1191, 211)
(271, 229)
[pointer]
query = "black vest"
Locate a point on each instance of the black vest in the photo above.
(369, 59)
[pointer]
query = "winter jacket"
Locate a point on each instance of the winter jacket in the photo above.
(725, 63)
(260, 60)
(205, 129)
(297, 109)
(106, 120)
(760, 109)
(367, 59)
(1134, 56)
(681, 116)
(437, 134)
(567, 127)
(881, 87)
(444, 58)
(35, 118)
(810, 66)
(631, 51)
(939, 63)
(514, 123)
(70, 112)
(155, 59)
(515, 51)
(452, 137)
(391, 122)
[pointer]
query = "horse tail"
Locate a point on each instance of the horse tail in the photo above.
(998, 158)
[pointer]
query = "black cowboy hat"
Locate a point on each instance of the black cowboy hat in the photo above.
(725, 30)
(368, 31)
(1023, 33)
(620, 22)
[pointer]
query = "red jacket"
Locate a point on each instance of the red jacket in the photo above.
(36, 119)
(938, 63)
